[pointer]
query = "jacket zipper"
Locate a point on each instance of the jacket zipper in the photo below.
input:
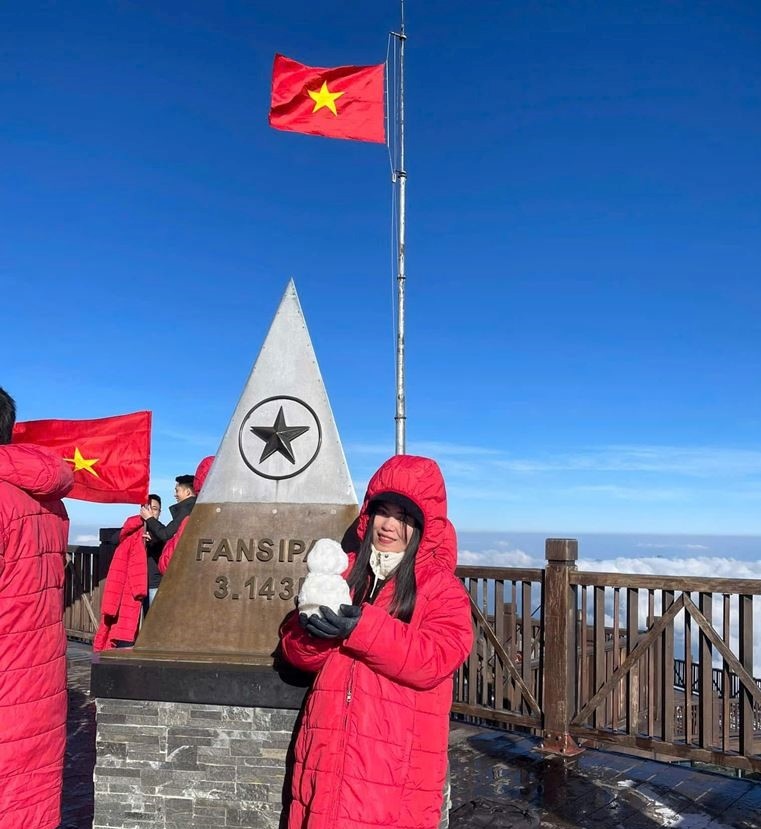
(350, 683)
(345, 727)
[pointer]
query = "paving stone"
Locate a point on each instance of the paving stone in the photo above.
(206, 713)
(178, 805)
(116, 772)
(233, 713)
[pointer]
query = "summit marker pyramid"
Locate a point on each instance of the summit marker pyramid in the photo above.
(282, 444)
(278, 483)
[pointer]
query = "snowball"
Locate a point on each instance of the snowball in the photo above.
(327, 557)
(324, 584)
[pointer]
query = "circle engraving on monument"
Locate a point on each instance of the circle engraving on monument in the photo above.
(280, 437)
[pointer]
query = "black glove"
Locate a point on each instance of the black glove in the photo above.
(333, 625)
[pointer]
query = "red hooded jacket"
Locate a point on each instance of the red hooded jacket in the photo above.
(126, 587)
(371, 751)
(34, 530)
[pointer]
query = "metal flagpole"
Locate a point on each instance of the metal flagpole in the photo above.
(400, 177)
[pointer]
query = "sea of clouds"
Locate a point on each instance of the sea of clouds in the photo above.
(698, 555)
(735, 557)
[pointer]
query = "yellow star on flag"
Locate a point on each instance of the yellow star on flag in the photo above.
(324, 98)
(83, 463)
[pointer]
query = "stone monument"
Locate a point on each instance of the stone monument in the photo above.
(195, 721)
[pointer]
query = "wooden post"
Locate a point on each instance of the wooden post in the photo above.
(744, 698)
(559, 618)
(705, 683)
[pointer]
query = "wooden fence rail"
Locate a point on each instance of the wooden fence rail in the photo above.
(85, 575)
(602, 660)
(82, 591)
(582, 658)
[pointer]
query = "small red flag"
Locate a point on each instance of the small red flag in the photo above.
(110, 456)
(342, 102)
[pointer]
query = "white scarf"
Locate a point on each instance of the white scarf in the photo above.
(382, 563)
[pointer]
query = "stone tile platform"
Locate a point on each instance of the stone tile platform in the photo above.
(499, 780)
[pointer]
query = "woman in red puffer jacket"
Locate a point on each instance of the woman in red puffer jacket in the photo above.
(371, 751)
(34, 529)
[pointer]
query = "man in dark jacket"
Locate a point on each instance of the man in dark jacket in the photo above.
(153, 548)
(186, 500)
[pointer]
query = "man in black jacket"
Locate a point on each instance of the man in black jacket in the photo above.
(153, 548)
(186, 500)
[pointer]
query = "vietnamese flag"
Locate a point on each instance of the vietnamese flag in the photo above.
(110, 456)
(342, 102)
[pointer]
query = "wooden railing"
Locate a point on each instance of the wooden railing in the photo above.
(500, 681)
(82, 590)
(582, 658)
(85, 574)
(637, 704)
(603, 657)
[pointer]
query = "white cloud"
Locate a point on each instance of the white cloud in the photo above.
(482, 493)
(700, 461)
(608, 487)
(497, 558)
(86, 539)
(631, 493)
(431, 449)
(701, 567)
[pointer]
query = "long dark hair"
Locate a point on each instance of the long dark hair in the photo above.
(360, 578)
(7, 416)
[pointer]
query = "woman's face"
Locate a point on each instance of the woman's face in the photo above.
(391, 528)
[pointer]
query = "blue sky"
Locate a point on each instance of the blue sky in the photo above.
(584, 243)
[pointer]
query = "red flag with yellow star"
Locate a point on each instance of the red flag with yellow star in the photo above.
(110, 456)
(342, 102)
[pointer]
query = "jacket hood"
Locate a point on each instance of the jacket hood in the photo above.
(420, 480)
(131, 525)
(36, 470)
(202, 471)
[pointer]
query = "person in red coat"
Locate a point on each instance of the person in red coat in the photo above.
(34, 530)
(371, 750)
(125, 589)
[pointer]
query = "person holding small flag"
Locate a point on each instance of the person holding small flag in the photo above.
(202, 470)
(185, 496)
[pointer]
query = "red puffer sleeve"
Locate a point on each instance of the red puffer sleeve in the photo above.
(305, 652)
(137, 567)
(170, 547)
(417, 655)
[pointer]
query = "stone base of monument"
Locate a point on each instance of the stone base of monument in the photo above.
(180, 765)
(186, 763)
(166, 758)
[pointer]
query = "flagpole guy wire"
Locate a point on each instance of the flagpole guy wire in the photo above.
(399, 177)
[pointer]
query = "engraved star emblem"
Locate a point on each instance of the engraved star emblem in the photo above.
(324, 98)
(278, 437)
(83, 463)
